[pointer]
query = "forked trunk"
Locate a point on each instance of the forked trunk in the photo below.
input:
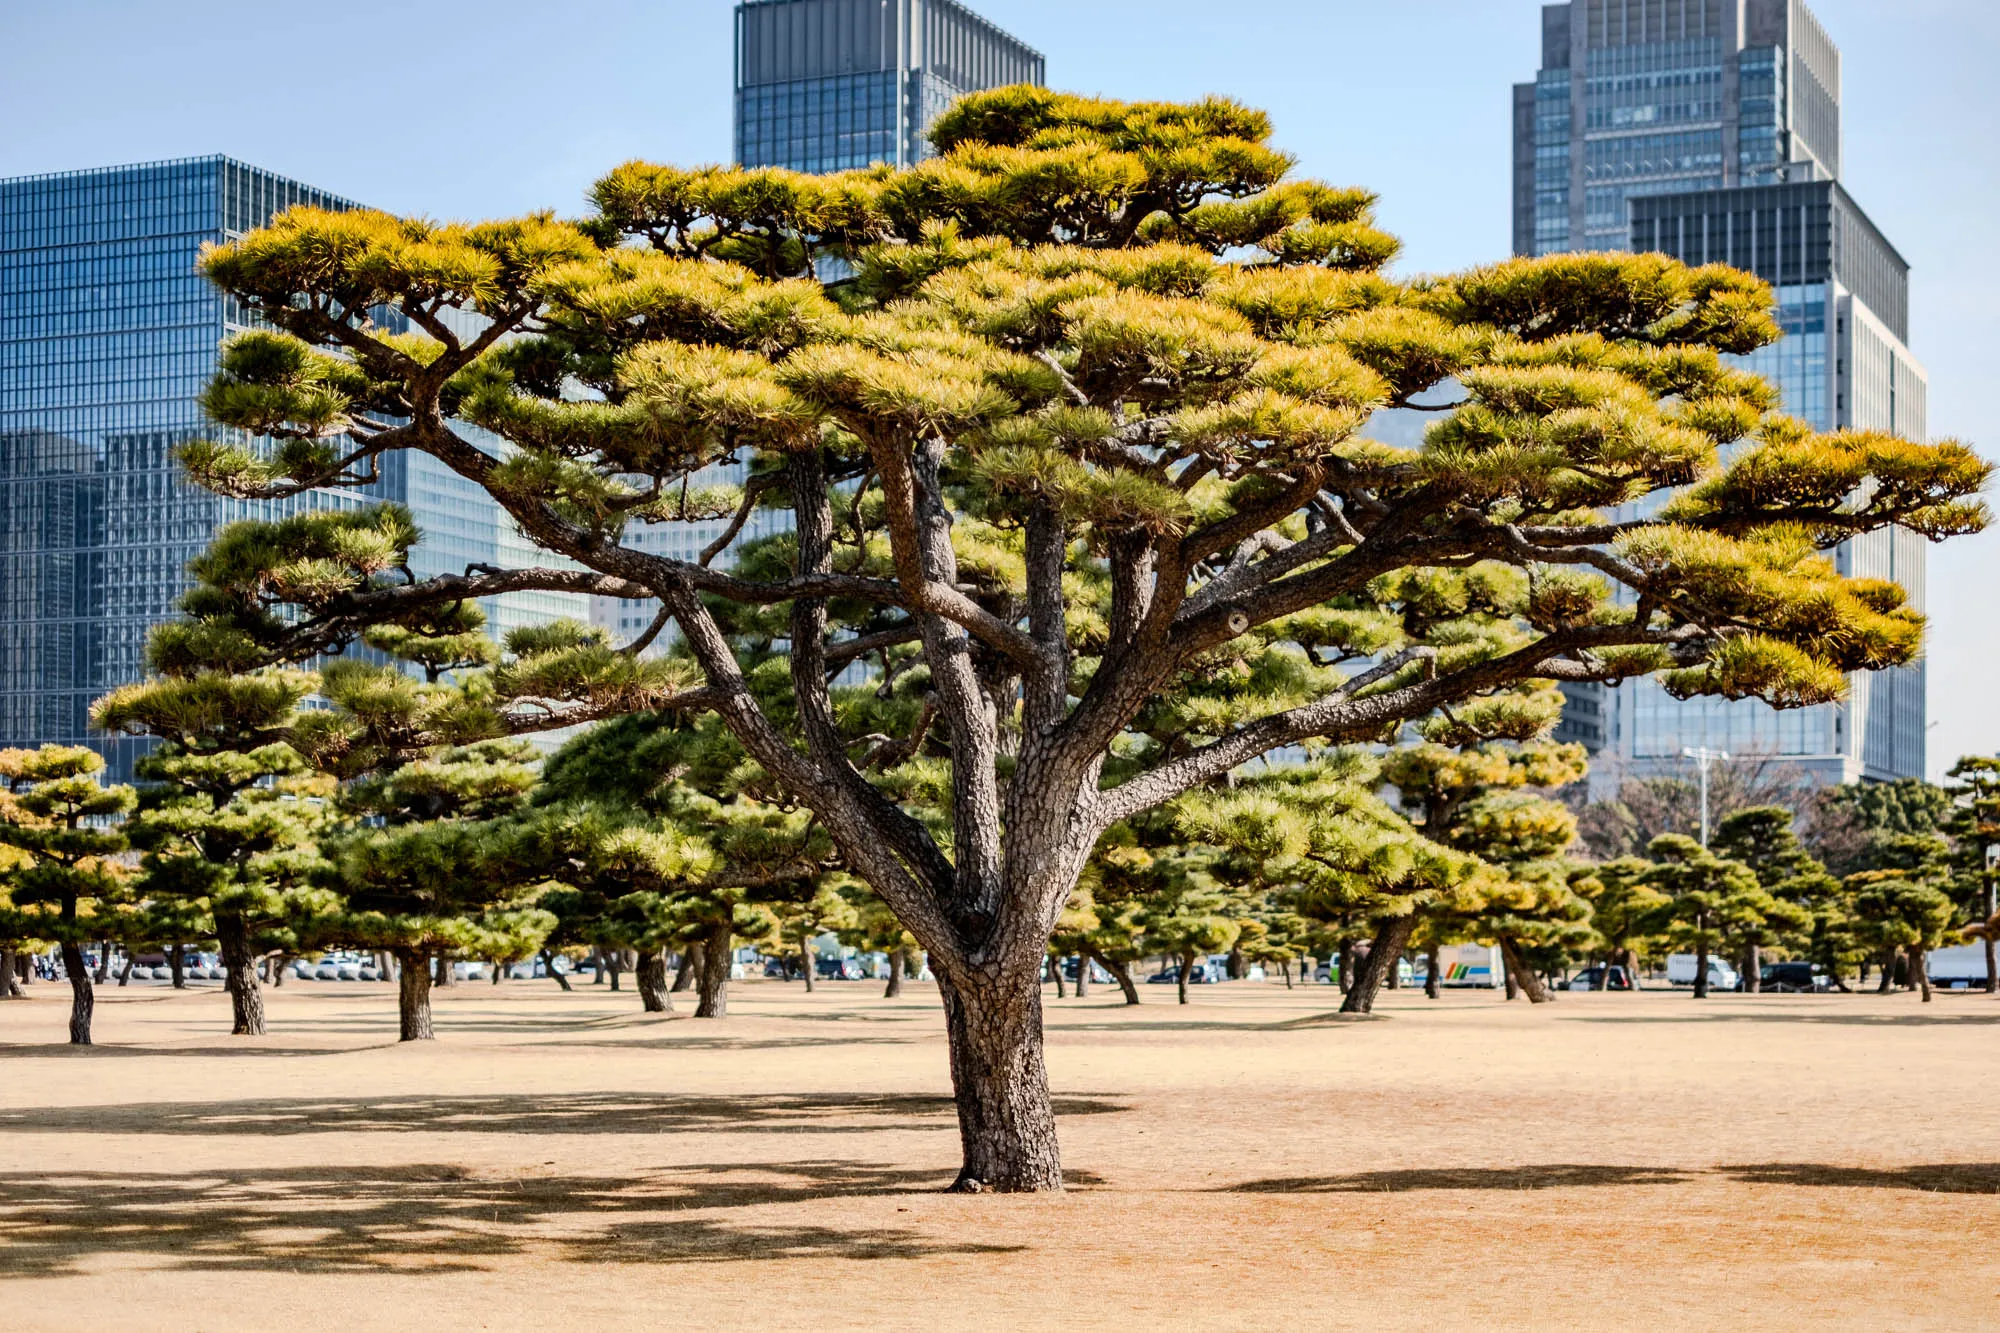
(1082, 976)
(82, 999)
(413, 997)
(895, 986)
(652, 977)
(239, 977)
(1387, 947)
(549, 966)
(714, 998)
(806, 963)
(690, 967)
(1431, 965)
(1006, 1121)
(1524, 976)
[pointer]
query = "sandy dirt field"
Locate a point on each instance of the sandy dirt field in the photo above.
(1249, 1161)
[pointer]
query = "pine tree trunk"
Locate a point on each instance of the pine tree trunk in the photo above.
(493, 977)
(549, 966)
(239, 977)
(895, 986)
(413, 997)
(1524, 976)
(690, 967)
(10, 986)
(614, 966)
(443, 977)
(1888, 981)
(1082, 976)
(280, 964)
(177, 963)
(1431, 964)
(103, 962)
(1753, 976)
(1344, 966)
(1186, 966)
(1120, 973)
(1992, 967)
(714, 998)
(1390, 937)
(125, 972)
(1701, 959)
(1920, 968)
(82, 999)
(1236, 968)
(597, 967)
(652, 978)
(1055, 969)
(1631, 970)
(806, 967)
(1006, 1120)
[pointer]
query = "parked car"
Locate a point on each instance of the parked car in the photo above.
(1588, 979)
(1680, 972)
(468, 971)
(367, 971)
(840, 969)
(1792, 977)
(1201, 974)
(326, 970)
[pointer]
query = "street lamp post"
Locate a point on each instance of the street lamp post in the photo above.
(1704, 758)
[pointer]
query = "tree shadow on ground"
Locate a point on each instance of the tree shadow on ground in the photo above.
(1990, 1018)
(555, 1113)
(1938, 1178)
(439, 1219)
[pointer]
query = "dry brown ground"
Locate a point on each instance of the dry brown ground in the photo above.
(1248, 1161)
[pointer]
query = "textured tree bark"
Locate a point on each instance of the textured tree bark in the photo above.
(690, 967)
(1753, 976)
(549, 966)
(1390, 937)
(897, 957)
(10, 985)
(1430, 972)
(413, 998)
(714, 995)
(1006, 1120)
(1120, 973)
(82, 999)
(652, 978)
(1524, 976)
(806, 963)
(444, 978)
(239, 977)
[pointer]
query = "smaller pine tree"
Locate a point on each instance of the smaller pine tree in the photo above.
(66, 824)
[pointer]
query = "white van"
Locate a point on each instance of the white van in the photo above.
(1721, 976)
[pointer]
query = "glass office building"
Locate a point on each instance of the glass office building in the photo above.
(1642, 97)
(833, 85)
(1710, 130)
(107, 337)
(829, 85)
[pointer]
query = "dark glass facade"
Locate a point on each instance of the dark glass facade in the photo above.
(108, 335)
(1644, 97)
(829, 85)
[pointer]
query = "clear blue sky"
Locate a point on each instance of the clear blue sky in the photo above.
(466, 108)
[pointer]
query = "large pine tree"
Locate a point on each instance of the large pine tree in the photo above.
(1089, 344)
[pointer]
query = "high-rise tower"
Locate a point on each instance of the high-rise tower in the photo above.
(108, 334)
(1710, 130)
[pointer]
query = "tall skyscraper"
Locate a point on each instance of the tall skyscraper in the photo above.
(832, 85)
(108, 335)
(828, 85)
(1710, 130)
